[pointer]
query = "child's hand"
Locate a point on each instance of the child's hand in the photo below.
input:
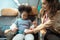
(14, 29)
(26, 30)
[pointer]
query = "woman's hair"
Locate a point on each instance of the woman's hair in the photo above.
(25, 8)
(53, 7)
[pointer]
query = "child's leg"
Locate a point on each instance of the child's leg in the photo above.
(29, 37)
(18, 37)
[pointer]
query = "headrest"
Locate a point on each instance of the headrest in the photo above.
(9, 12)
(34, 10)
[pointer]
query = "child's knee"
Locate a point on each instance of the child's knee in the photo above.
(18, 37)
(29, 37)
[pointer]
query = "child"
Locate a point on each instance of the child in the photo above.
(34, 25)
(22, 23)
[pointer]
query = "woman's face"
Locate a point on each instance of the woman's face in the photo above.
(44, 4)
(24, 15)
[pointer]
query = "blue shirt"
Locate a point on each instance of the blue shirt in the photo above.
(22, 25)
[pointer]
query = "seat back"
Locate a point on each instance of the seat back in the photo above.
(8, 16)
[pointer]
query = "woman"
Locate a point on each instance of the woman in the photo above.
(50, 21)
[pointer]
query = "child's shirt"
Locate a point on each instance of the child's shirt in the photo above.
(22, 25)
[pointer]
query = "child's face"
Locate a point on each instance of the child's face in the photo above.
(35, 22)
(24, 15)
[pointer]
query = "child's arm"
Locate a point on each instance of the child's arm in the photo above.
(13, 27)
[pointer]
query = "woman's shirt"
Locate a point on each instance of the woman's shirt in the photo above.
(45, 17)
(54, 24)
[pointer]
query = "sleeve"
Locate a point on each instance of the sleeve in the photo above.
(16, 22)
(14, 25)
(47, 24)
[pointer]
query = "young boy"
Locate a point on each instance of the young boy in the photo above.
(22, 24)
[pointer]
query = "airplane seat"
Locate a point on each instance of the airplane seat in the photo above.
(7, 17)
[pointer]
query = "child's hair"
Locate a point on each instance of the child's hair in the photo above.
(22, 8)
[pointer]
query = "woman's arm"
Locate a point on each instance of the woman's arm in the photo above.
(49, 23)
